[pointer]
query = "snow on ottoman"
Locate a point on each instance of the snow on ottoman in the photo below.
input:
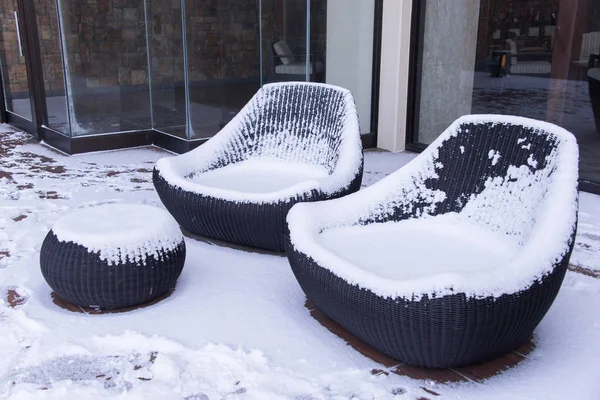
(456, 257)
(113, 256)
(293, 142)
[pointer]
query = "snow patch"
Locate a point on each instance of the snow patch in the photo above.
(120, 232)
(259, 176)
(494, 155)
(403, 250)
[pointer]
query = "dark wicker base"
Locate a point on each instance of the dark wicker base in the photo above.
(248, 224)
(65, 305)
(82, 278)
(444, 332)
(478, 372)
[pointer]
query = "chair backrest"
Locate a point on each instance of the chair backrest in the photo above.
(284, 52)
(590, 44)
(302, 122)
(497, 173)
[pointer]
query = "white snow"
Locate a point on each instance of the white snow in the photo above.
(259, 176)
(420, 248)
(120, 232)
(494, 156)
(236, 326)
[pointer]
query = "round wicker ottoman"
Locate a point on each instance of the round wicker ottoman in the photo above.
(113, 256)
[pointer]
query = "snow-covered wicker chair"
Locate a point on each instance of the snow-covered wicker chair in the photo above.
(293, 142)
(456, 257)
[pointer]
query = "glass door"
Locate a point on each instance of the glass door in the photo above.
(16, 90)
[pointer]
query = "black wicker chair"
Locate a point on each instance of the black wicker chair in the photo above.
(594, 87)
(117, 260)
(513, 177)
(300, 124)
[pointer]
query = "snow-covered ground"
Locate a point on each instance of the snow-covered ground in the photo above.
(236, 326)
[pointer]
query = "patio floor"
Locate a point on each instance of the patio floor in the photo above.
(238, 325)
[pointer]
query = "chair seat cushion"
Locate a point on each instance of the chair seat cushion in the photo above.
(403, 250)
(259, 176)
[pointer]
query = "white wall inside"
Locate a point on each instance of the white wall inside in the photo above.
(350, 51)
(393, 79)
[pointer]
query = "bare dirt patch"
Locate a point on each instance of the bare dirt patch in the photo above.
(15, 299)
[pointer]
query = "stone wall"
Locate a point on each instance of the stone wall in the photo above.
(106, 40)
(49, 35)
(519, 14)
(223, 39)
(166, 43)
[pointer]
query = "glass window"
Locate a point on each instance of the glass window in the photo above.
(106, 66)
(529, 58)
(223, 61)
(286, 53)
(14, 70)
(167, 66)
(50, 47)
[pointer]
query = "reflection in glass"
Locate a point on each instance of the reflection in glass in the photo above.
(167, 77)
(526, 58)
(286, 53)
(52, 67)
(223, 61)
(106, 66)
(14, 71)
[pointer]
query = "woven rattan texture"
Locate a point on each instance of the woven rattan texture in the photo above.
(83, 278)
(249, 224)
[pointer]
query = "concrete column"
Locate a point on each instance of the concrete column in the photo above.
(450, 45)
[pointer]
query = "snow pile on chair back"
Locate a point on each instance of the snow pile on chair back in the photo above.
(295, 125)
